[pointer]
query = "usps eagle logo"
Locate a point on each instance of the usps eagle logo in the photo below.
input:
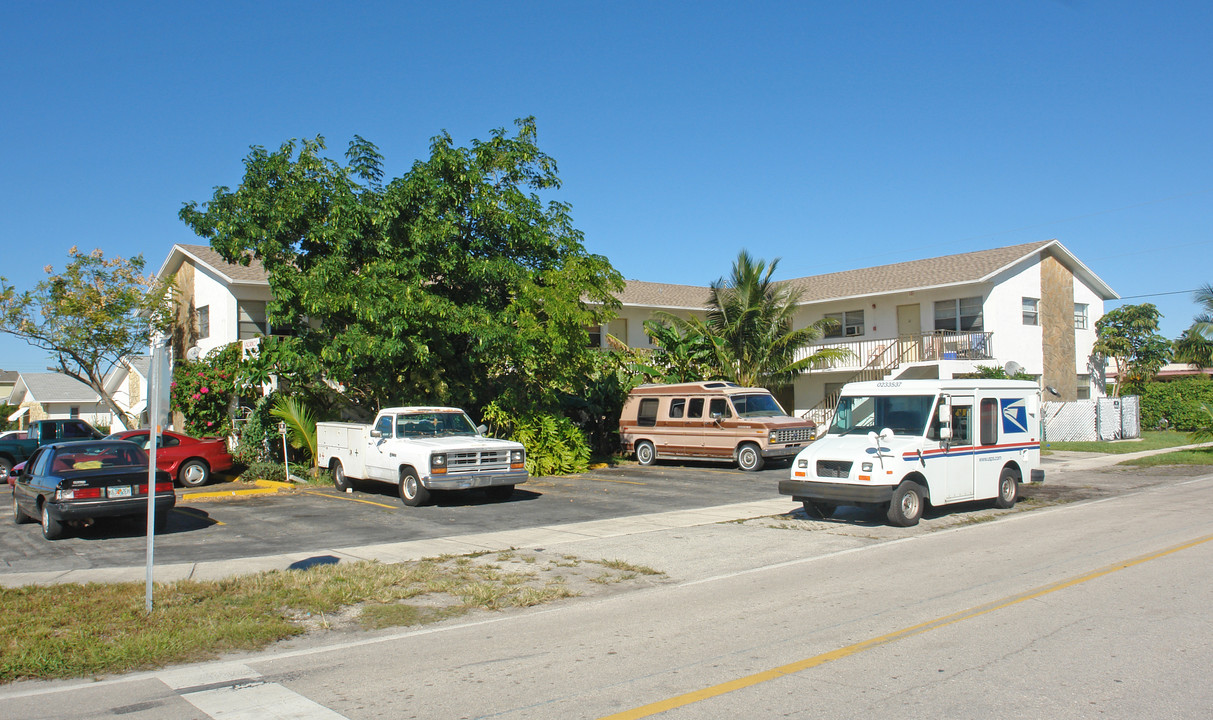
(1014, 415)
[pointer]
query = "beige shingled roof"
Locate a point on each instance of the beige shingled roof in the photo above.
(234, 273)
(912, 275)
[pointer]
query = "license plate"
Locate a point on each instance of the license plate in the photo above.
(118, 491)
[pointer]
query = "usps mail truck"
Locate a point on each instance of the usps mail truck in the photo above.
(897, 444)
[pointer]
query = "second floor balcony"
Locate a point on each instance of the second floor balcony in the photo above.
(889, 353)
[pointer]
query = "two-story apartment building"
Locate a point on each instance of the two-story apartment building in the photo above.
(1035, 304)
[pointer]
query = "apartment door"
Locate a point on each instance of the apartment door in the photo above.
(909, 328)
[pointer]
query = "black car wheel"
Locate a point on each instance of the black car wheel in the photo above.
(19, 516)
(52, 529)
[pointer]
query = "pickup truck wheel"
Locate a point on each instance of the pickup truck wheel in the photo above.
(499, 492)
(412, 493)
(52, 529)
(905, 508)
(19, 516)
(818, 510)
(193, 473)
(646, 454)
(340, 481)
(749, 457)
(1008, 489)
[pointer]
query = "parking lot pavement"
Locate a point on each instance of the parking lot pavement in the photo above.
(311, 519)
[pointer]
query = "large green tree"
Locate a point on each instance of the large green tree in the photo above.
(1129, 336)
(452, 283)
(749, 323)
(87, 318)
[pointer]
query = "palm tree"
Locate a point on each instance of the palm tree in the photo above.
(1195, 345)
(749, 323)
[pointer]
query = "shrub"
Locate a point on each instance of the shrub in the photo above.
(1178, 401)
(259, 440)
(554, 445)
(202, 391)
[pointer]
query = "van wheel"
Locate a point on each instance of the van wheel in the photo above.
(905, 508)
(646, 454)
(412, 492)
(818, 510)
(749, 458)
(1008, 489)
(340, 481)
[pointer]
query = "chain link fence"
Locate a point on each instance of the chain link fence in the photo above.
(1091, 420)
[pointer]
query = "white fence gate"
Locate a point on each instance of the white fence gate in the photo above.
(1090, 420)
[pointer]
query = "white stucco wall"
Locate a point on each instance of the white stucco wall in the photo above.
(223, 300)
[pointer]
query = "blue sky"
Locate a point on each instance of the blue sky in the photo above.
(832, 135)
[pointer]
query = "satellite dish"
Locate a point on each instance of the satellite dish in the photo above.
(193, 353)
(1012, 368)
(1052, 390)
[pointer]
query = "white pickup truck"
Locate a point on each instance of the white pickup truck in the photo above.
(421, 449)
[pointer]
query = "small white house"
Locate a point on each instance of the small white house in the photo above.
(54, 396)
(128, 384)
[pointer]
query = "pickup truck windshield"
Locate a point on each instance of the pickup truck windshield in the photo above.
(433, 424)
(903, 414)
(756, 405)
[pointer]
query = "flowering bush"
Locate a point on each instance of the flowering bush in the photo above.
(202, 391)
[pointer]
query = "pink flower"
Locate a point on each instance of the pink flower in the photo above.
(209, 423)
(199, 374)
(206, 390)
(196, 396)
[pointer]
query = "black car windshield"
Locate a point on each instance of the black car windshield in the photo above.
(82, 457)
(903, 414)
(433, 424)
(756, 405)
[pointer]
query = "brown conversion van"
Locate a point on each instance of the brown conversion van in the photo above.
(710, 421)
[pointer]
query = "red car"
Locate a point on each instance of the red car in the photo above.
(190, 460)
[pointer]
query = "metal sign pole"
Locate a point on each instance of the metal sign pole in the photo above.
(159, 361)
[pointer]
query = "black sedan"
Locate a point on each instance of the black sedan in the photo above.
(75, 483)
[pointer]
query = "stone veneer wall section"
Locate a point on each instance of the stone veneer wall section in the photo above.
(1057, 328)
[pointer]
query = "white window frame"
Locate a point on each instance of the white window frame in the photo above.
(204, 322)
(954, 310)
(1081, 318)
(850, 324)
(1031, 311)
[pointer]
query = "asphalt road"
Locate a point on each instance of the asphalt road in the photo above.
(1092, 608)
(319, 518)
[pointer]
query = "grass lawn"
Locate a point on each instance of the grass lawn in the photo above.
(1202, 456)
(1150, 440)
(62, 631)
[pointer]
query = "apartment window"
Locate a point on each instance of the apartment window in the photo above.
(850, 324)
(959, 315)
(252, 320)
(204, 322)
(73, 412)
(595, 333)
(1080, 316)
(1084, 387)
(1031, 311)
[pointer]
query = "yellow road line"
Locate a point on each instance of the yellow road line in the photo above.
(347, 499)
(200, 515)
(795, 667)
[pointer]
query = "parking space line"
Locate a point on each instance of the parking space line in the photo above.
(348, 499)
(622, 482)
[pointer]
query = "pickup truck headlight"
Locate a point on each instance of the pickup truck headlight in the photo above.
(517, 459)
(802, 463)
(438, 463)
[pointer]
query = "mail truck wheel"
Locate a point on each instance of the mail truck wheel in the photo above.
(905, 508)
(194, 473)
(340, 481)
(646, 454)
(412, 492)
(1008, 489)
(749, 457)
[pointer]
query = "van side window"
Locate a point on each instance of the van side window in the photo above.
(678, 407)
(719, 406)
(989, 421)
(646, 415)
(696, 408)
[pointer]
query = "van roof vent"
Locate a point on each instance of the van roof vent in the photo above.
(719, 384)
